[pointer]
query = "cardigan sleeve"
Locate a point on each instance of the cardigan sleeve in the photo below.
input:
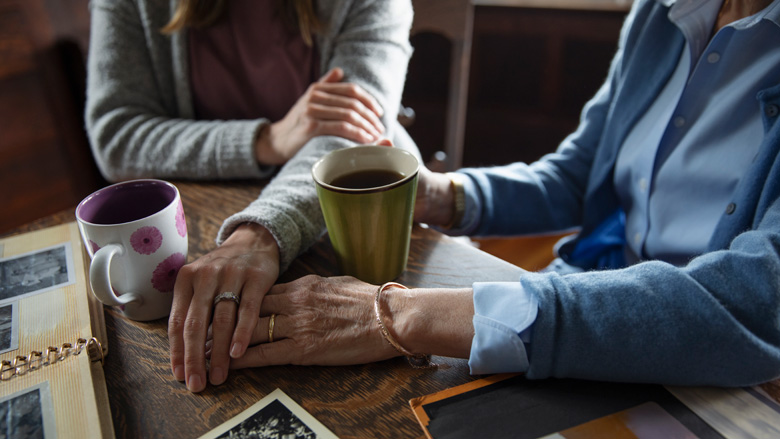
(133, 114)
(369, 40)
(715, 321)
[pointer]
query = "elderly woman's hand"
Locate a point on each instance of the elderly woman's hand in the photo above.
(435, 203)
(331, 321)
(247, 265)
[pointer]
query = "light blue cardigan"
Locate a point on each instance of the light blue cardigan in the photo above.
(715, 321)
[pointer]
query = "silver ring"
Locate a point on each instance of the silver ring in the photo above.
(227, 295)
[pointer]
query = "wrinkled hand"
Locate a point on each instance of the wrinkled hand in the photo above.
(247, 264)
(434, 204)
(328, 107)
(322, 321)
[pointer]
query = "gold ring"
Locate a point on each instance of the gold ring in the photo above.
(271, 328)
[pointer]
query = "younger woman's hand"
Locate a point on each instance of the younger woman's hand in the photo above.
(329, 107)
(246, 264)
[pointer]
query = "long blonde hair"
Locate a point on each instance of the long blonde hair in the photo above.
(298, 15)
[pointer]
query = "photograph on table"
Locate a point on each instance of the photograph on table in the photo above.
(36, 272)
(275, 416)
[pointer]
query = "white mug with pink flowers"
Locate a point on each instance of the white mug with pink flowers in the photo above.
(136, 236)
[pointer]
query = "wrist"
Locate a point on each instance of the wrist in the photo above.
(265, 154)
(440, 205)
(255, 236)
(435, 321)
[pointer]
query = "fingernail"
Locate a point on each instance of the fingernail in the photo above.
(235, 350)
(194, 383)
(178, 373)
(217, 375)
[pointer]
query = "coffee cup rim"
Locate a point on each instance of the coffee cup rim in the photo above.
(142, 181)
(369, 190)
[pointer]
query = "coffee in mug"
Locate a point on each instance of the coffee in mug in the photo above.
(367, 196)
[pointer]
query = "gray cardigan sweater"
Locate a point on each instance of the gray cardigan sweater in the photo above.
(140, 117)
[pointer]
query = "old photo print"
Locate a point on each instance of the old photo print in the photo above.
(275, 416)
(9, 327)
(36, 272)
(28, 414)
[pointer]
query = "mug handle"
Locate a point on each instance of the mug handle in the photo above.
(100, 279)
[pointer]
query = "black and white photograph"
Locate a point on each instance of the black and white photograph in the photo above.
(9, 327)
(276, 416)
(28, 414)
(36, 272)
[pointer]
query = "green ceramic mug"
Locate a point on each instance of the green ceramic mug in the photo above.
(367, 197)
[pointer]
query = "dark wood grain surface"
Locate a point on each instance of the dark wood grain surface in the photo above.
(354, 401)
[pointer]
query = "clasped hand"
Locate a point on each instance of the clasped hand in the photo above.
(329, 107)
(334, 323)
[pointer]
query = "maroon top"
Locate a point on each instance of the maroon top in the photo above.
(248, 65)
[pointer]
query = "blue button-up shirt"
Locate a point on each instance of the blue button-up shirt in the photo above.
(676, 171)
(678, 168)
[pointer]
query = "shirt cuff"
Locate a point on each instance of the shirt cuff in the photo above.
(504, 314)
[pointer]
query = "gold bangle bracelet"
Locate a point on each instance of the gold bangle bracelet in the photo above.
(417, 361)
(459, 200)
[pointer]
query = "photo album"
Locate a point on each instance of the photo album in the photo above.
(52, 339)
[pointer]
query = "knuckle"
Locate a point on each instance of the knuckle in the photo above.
(188, 270)
(355, 106)
(345, 127)
(354, 89)
(256, 272)
(232, 271)
(353, 116)
(204, 274)
(175, 324)
(193, 326)
(192, 363)
(261, 355)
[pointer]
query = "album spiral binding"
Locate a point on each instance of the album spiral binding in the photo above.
(52, 339)
(37, 359)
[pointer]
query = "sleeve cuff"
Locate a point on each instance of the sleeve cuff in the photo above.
(504, 314)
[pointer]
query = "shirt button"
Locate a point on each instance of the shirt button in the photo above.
(642, 184)
(731, 208)
(771, 110)
(679, 121)
(713, 57)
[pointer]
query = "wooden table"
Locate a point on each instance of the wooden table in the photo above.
(354, 401)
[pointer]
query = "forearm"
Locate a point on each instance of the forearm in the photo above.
(436, 321)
